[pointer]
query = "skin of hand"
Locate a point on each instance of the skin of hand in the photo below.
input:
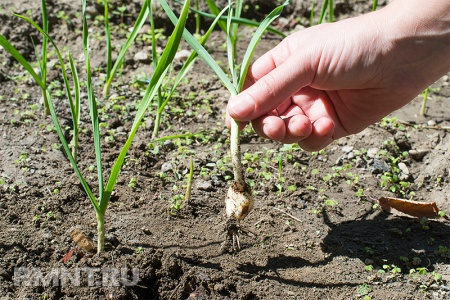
(333, 80)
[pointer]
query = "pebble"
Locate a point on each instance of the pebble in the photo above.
(167, 166)
(37, 71)
(206, 185)
(339, 161)
(350, 156)
(169, 145)
(142, 57)
(418, 154)
(283, 22)
(403, 168)
(445, 78)
(148, 123)
(431, 123)
(379, 166)
(359, 162)
(210, 165)
(182, 55)
(347, 149)
(216, 180)
(372, 152)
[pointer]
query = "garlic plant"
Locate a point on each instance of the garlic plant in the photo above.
(239, 200)
(105, 189)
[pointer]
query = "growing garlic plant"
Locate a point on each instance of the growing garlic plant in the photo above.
(239, 199)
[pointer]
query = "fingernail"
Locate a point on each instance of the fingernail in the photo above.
(241, 106)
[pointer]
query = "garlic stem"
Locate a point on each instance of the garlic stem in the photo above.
(235, 149)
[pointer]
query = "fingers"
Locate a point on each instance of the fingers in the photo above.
(275, 80)
(296, 129)
(321, 135)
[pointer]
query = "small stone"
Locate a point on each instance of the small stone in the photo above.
(339, 161)
(283, 22)
(445, 78)
(431, 123)
(350, 156)
(169, 145)
(379, 166)
(148, 123)
(206, 185)
(142, 57)
(182, 55)
(372, 152)
(418, 154)
(347, 149)
(359, 162)
(210, 165)
(217, 180)
(166, 167)
(403, 168)
(37, 71)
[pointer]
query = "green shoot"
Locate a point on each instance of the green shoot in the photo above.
(43, 60)
(108, 40)
(375, 5)
(327, 10)
(241, 21)
(187, 196)
(143, 14)
(330, 11)
(424, 101)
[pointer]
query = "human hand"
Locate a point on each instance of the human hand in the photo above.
(332, 80)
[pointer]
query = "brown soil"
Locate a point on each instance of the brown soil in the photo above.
(298, 247)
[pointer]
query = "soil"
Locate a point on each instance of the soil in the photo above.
(315, 232)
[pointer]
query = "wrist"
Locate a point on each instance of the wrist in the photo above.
(417, 39)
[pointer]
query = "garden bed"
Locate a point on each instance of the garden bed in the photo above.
(316, 231)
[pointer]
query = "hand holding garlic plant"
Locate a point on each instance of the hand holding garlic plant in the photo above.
(239, 200)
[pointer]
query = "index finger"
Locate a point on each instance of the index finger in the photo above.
(276, 76)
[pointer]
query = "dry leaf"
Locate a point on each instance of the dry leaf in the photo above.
(82, 241)
(411, 208)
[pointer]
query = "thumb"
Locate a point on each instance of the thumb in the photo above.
(275, 80)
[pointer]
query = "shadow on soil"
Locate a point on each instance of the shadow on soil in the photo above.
(381, 239)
